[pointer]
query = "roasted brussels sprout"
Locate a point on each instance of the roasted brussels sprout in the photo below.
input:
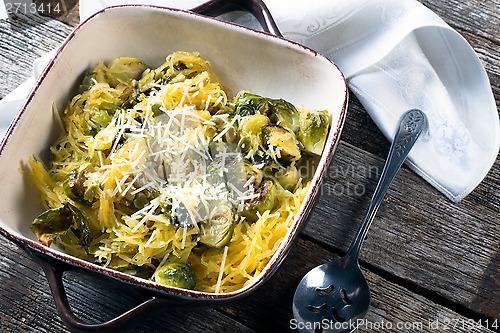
(123, 69)
(283, 143)
(252, 125)
(313, 130)
(75, 188)
(266, 200)
(56, 222)
(284, 114)
(217, 230)
(177, 274)
(239, 172)
(254, 174)
(101, 119)
(279, 111)
(288, 178)
(246, 104)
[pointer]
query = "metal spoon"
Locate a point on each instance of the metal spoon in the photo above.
(335, 297)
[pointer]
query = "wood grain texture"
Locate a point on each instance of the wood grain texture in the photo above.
(478, 17)
(390, 302)
(27, 305)
(22, 40)
(425, 258)
(417, 235)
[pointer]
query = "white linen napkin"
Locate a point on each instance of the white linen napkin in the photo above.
(397, 55)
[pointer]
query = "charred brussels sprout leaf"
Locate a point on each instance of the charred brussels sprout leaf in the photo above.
(177, 274)
(82, 230)
(313, 130)
(124, 69)
(266, 200)
(56, 222)
(218, 229)
(75, 188)
(283, 143)
(121, 265)
(51, 223)
(87, 82)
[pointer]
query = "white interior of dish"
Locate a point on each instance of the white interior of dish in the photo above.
(242, 58)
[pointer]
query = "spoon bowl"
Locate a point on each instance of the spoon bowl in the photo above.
(335, 296)
(336, 307)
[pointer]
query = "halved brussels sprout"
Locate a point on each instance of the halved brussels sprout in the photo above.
(284, 114)
(313, 130)
(177, 274)
(124, 69)
(279, 111)
(238, 172)
(288, 178)
(75, 188)
(266, 200)
(254, 173)
(217, 230)
(56, 222)
(252, 125)
(282, 142)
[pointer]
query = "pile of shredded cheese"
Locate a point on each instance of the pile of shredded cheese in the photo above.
(161, 143)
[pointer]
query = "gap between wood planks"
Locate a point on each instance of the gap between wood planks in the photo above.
(409, 285)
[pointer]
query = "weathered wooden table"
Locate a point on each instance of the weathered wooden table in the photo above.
(432, 265)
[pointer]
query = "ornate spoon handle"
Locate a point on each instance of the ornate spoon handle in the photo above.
(410, 127)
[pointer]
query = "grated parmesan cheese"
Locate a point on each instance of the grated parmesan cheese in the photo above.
(165, 156)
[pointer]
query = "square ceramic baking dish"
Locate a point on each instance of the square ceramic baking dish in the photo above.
(242, 58)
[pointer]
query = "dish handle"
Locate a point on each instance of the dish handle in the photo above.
(54, 271)
(256, 7)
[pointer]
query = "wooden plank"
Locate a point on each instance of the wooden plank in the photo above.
(21, 44)
(410, 237)
(391, 304)
(26, 303)
(415, 234)
(478, 17)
